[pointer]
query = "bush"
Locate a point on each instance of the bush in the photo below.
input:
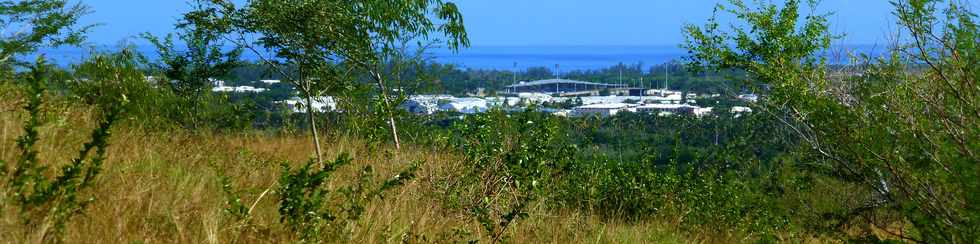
(316, 213)
(47, 203)
(152, 104)
(509, 165)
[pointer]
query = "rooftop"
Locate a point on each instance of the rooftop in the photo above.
(560, 81)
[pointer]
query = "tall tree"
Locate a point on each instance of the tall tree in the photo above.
(905, 128)
(192, 68)
(327, 40)
(203, 57)
(28, 25)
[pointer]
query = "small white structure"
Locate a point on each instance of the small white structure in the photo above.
(219, 86)
(468, 105)
(535, 98)
(749, 97)
(223, 89)
(562, 113)
(243, 89)
(320, 104)
(270, 82)
(662, 92)
(216, 82)
(701, 112)
(738, 111)
(604, 110)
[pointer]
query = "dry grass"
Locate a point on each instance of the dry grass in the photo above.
(160, 187)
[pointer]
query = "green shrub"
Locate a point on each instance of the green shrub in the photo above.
(47, 203)
(152, 104)
(316, 213)
(509, 163)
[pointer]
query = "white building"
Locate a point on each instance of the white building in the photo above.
(216, 82)
(701, 112)
(604, 110)
(243, 89)
(223, 89)
(468, 105)
(662, 92)
(535, 98)
(270, 82)
(749, 97)
(738, 111)
(219, 86)
(320, 104)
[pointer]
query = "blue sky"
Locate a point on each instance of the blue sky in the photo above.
(534, 22)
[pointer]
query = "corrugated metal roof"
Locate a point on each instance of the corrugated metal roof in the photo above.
(560, 81)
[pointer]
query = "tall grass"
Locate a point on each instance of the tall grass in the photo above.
(163, 187)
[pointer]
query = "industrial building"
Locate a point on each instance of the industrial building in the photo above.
(559, 86)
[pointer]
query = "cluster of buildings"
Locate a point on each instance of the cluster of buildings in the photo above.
(219, 86)
(604, 110)
(660, 102)
(583, 97)
(430, 104)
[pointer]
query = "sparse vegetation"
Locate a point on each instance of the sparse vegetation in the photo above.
(883, 150)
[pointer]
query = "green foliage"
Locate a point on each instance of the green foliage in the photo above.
(42, 23)
(905, 130)
(315, 212)
(710, 173)
(318, 45)
(123, 74)
(509, 163)
(324, 40)
(192, 68)
(46, 203)
(233, 201)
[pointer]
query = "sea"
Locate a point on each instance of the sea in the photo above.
(515, 58)
(566, 58)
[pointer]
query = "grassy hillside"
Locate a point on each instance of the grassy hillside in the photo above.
(164, 187)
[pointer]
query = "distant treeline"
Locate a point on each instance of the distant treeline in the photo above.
(451, 79)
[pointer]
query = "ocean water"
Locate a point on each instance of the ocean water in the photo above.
(514, 57)
(566, 57)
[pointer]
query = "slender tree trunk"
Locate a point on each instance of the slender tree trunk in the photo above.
(391, 114)
(312, 119)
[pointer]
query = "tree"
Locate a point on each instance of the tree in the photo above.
(327, 41)
(32, 24)
(192, 68)
(904, 128)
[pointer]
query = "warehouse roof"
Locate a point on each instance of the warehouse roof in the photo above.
(560, 81)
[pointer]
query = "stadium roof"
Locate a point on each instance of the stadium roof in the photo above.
(559, 81)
